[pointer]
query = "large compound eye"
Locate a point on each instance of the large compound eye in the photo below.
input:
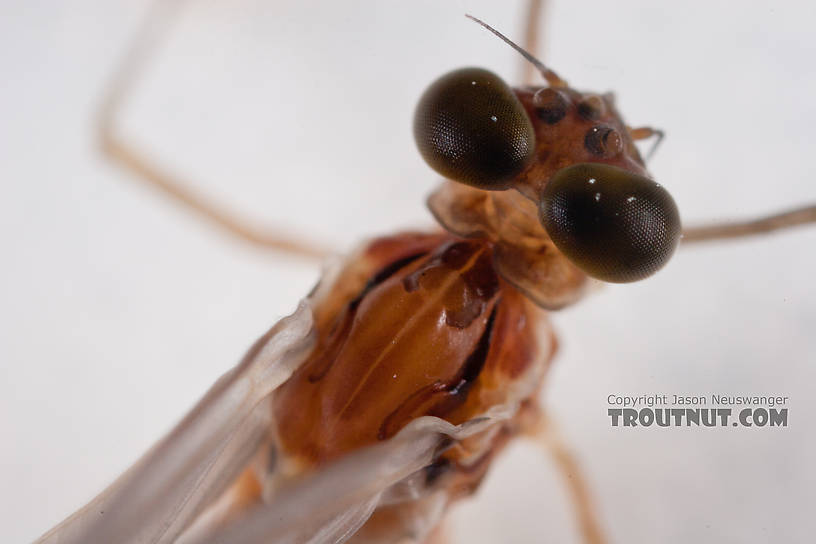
(471, 128)
(615, 225)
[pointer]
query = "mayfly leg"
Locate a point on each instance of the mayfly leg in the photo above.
(750, 227)
(547, 434)
(644, 133)
(535, 8)
(736, 229)
(116, 147)
(545, 431)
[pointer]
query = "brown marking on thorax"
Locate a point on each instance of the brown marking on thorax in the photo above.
(433, 331)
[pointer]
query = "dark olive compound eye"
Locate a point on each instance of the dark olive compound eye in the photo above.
(615, 225)
(471, 128)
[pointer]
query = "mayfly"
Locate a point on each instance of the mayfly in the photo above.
(498, 261)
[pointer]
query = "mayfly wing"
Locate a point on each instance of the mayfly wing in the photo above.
(166, 491)
(161, 494)
(330, 504)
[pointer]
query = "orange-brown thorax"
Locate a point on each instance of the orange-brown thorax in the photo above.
(430, 329)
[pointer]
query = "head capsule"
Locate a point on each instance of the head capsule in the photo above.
(569, 153)
(587, 205)
(584, 204)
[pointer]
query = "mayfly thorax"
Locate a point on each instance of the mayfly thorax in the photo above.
(417, 358)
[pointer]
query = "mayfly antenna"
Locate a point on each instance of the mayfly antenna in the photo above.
(552, 78)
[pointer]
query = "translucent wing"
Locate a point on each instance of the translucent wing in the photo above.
(173, 493)
(158, 497)
(331, 504)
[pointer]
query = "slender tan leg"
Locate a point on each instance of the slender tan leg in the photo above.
(547, 434)
(440, 535)
(642, 133)
(533, 23)
(736, 229)
(117, 148)
(740, 229)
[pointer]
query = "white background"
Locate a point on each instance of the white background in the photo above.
(118, 309)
